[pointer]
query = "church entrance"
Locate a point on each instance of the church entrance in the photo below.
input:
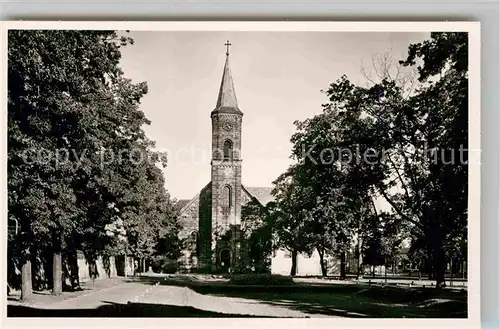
(225, 260)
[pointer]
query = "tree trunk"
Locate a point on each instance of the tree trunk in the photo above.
(359, 255)
(26, 282)
(451, 271)
(321, 253)
(440, 282)
(57, 266)
(125, 262)
(430, 269)
(429, 265)
(385, 271)
(439, 267)
(342, 265)
(360, 270)
(293, 270)
(73, 270)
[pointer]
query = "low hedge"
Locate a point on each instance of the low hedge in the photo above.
(164, 265)
(261, 279)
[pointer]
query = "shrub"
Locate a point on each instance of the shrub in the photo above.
(164, 265)
(261, 279)
(169, 268)
(198, 270)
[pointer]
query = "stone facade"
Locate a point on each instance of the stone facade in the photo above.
(226, 189)
(226, 168)
(204, 243)
(209, 243)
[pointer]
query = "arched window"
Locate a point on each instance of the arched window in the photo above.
(226, 197)
(228, 150)
(193, 239)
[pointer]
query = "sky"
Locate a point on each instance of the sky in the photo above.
(278, 78)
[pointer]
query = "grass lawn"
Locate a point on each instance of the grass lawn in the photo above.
(372, 302)
(348, 300)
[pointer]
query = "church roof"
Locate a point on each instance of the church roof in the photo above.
(181, 203)
(262, 194)
(186, 203)
(226, 101)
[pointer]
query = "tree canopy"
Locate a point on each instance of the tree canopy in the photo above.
(390, 140)
(78, 157)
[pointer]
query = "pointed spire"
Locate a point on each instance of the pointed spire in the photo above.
(227, 97)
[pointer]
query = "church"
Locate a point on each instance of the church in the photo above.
(211, 220)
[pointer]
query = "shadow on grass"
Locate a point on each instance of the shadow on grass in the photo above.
(119, 310)
(359, 301)
(347, 300)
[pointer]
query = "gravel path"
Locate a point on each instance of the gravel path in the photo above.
(118, 294)
(123, 293)
(46, 298)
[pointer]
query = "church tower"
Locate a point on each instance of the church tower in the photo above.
(211, 221)
(226, 171)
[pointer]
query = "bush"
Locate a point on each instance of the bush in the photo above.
(169, 268)
(197, 270)
(164, 265)
(261, 279)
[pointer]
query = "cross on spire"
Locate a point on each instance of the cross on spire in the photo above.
(227, 96)
(227, 44)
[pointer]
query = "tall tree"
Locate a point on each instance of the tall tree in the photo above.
(257, 228)
(413, 140)
(391, 139)
(290, 216)
(330, 168)
(74, 124)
